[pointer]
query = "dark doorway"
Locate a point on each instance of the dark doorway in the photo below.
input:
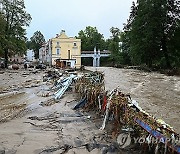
(69, 53)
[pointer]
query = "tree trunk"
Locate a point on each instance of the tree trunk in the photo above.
(6, 57)
(165, 52)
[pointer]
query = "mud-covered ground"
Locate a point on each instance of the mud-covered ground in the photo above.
(32, 122)
(156, 93)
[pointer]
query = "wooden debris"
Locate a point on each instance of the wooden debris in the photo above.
(124, 112)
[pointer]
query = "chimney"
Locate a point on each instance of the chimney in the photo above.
(57, 35)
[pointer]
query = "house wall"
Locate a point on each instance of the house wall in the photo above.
(45, 53)
(30, 55)
(16, 59)
(69, 48)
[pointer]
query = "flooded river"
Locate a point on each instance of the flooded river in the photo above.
(156, 93)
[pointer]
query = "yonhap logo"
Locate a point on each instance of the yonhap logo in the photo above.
(124, 140)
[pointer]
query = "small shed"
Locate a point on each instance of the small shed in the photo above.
(65, 63)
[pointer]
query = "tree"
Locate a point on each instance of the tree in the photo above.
(36, 42)
(149, 31)
(91, 38)
(114, 45)
(170, 19)
(2, 33)
(126, 57)
(16, 18)
(126, 36)
(174, 47)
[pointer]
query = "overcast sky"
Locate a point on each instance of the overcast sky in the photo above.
(51, 16)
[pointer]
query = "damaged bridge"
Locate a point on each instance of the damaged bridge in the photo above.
(96, 55)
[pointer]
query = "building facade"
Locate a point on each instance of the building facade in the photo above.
(45, 54)
(17, 58)
(66, 51)
(42, 54)
(30, 55)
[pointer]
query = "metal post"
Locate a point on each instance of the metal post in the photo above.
(94, 57)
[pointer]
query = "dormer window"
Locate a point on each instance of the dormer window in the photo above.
(57, 44)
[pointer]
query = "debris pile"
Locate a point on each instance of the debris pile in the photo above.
(91, 89)
(52, 74)
(125, 115)
(62, 81)
(63, 86)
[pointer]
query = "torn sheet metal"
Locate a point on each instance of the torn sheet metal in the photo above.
(64, 86)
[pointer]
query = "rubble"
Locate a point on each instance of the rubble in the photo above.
(81, 104)
(48, 102)
(52, 74)
(13, 67)
(63, 86)
(100, 121)
(123, 111)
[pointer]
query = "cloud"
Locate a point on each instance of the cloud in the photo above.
(50, 16)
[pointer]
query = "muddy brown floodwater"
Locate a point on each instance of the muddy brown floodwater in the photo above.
(156, 93)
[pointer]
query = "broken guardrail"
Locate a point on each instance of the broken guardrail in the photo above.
(125, 113)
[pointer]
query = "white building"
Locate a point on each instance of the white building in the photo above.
(42, 54)
(30, 55)
(45, 53)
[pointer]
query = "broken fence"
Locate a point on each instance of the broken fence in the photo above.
(126, 113)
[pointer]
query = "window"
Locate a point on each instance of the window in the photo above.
(57, 44)
(75, 44)
(69, 64)
(57, 51)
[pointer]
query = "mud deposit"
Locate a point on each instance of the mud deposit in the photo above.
(156, 93)
(32, 122)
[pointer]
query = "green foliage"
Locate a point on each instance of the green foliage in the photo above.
(174, 47)
(114, 46)
(2, 33)
(151, 34)
(91, 38)
(16, 19)
(36, 42)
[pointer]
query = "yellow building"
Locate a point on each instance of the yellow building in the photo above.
(66, 51)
